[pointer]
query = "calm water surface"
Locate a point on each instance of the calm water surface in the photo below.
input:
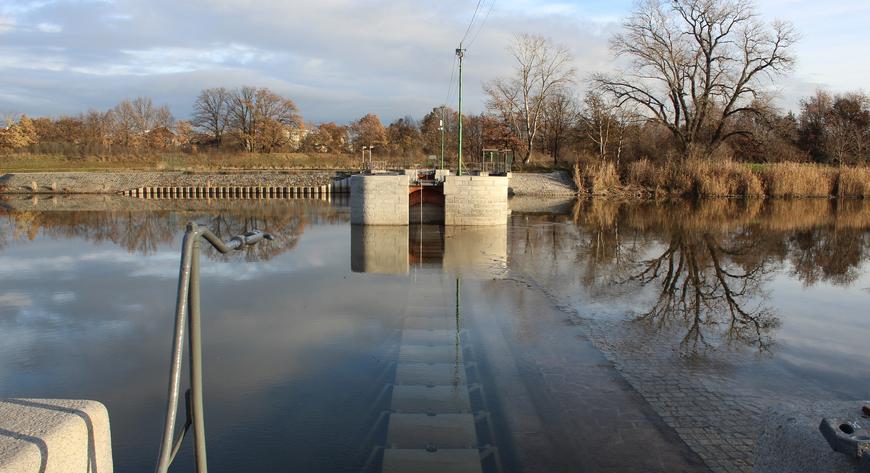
(301, 334)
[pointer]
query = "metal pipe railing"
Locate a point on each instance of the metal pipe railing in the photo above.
(187, 302)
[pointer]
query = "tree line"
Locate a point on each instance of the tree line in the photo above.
(693, 86)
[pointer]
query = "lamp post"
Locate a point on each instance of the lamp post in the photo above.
(461, 53)
(441, 129)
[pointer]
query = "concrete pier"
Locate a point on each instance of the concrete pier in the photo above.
(476, 200)
(384, 199)
(54, 436)
(379, 199)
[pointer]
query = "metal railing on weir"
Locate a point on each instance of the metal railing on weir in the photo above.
(186, 304)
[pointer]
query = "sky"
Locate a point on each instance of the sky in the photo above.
(341, 59)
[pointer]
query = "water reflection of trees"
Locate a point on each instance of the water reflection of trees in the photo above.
(701, 286)
(144, 232)
(700, 267)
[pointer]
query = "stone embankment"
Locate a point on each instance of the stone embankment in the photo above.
(118, 182)
(557, 183)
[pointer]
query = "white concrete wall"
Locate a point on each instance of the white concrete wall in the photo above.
(54, 436)
(476, 200)
(379, 199)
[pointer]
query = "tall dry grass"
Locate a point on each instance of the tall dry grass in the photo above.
(722, 179)
(707, 178)
(695, 177)
(577, 176)
(597, 178)
(853, 181)
(798, 180)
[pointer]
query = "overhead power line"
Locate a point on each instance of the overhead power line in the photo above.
(482, 23)
(450, 83)
(471, 23)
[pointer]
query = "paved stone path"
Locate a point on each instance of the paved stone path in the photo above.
(716, 415)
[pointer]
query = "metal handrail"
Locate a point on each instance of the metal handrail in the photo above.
(187, 302)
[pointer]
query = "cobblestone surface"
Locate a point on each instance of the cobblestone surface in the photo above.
(716, 415)
(719, 424)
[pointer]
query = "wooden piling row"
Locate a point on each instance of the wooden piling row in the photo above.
(235, 192)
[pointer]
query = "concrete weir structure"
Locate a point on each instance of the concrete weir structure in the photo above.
(379, 199)
(476, 200)
(54, 436)
(469, 200)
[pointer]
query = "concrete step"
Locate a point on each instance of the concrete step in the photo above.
(439, 461)
(430, 399)
(429, 337)
(430, 311)
(430, 373)
(427, 431)
(430, 354)
(430, 323)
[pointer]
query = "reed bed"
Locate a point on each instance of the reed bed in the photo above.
(853, 182)
(729, 179)
(798, 180)
(599, 178)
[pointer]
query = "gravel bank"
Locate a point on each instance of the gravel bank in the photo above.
(116, 182)
(552, 183)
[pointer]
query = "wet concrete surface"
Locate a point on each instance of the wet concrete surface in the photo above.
(565, 405)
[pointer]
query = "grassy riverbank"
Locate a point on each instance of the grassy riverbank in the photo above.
(27, 162)
(724, 179)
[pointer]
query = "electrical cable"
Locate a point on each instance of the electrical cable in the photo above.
(450, 83)
(471, 23)
(482, 23)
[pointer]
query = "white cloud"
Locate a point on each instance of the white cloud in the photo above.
(49, 27)
(338, 59)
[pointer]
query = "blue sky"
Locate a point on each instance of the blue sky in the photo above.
(339, 59)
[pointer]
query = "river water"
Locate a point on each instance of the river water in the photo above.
(575, 316)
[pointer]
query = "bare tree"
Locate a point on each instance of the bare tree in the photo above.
(560, 119)
(698, 64)
(605, 123)
(252, 111)
(211, 112)
(542, 68)
(147, 117)
(123, 124)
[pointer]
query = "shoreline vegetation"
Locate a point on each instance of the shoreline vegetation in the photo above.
(697, 178)
(641, 179)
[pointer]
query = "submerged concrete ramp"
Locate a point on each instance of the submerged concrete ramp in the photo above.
(431, 425)
(54, 436)
(422, 461)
